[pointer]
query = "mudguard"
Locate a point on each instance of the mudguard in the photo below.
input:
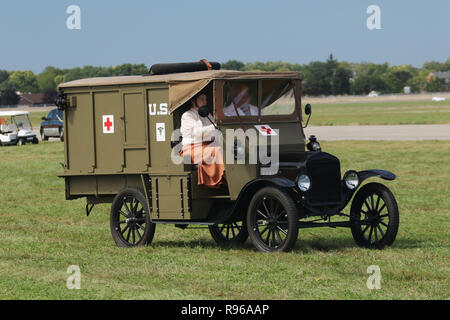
(247, 192)
(383, 174)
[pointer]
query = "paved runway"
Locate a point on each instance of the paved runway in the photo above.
(397, 132)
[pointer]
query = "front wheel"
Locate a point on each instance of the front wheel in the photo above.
(272, 220)
(130, 222)
(374, 216)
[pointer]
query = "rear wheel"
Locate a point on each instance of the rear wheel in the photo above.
(374, 217)
(272, 220)
(229, 233)
(130, 222)
(35, 140)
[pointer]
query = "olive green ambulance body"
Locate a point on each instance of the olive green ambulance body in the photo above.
(119, 149)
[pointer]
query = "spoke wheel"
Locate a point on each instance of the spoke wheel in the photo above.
(272, 220)
(229, 233)
(374, 216)
(130, 222)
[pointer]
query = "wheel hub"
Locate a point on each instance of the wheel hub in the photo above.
(132, 221)
(373, 218)
(272, 222)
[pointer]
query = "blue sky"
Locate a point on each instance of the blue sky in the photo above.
(34, 33)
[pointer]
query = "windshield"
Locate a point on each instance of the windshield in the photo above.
(55, 114)
(258, 98)
(278, 97)
(22, 121)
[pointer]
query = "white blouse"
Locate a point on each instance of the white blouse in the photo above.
(196, 129)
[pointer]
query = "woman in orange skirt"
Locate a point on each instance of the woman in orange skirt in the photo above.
(198, 137)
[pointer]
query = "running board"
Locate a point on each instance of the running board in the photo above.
(343, 224)
(182, 222)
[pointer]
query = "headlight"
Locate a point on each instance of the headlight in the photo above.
(351, 179)
(303, 182)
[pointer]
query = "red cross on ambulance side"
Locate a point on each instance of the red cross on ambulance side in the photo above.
(108, 124)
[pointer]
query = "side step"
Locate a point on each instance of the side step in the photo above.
(343, 224)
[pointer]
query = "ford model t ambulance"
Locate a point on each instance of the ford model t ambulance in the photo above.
(119, 149)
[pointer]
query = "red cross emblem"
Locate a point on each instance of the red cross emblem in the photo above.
(266, 130)
(108, 124)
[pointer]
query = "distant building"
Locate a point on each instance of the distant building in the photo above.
(31, 99)
(441, 75)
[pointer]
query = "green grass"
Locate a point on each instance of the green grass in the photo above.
(42, 234)
(380, 113)
(36, 118)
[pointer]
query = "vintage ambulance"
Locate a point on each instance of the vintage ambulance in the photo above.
(119, 149)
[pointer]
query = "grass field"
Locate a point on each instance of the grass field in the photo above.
(380, 113)
(36, 118)
(362, 113)
(41, 234)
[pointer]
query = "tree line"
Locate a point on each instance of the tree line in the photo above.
(47, 81)
(333, 77)
(330, 77)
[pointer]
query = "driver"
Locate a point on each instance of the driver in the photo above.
(240, 102)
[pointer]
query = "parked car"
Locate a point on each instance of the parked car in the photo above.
(15, 128)
(52, 125)
(120, 142)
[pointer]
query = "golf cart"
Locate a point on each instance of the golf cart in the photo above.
(15, 128)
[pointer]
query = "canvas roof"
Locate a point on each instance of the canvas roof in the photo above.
(182, 86)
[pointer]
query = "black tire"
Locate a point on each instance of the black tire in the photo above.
(229, 233)
(374, 216)
(21, 142)
(131, 205)
(43, 136)
(273, 211)
(35, 140)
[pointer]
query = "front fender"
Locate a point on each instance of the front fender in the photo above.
(383, 174)
(247, 192)
(363, 175)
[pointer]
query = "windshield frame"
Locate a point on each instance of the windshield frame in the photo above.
(26, 125)
(295, 116)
